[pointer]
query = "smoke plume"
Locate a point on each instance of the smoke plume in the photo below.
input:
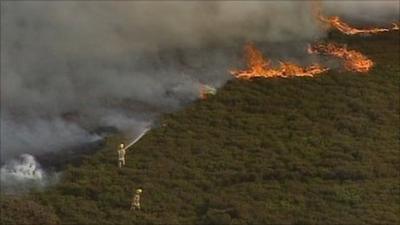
(68, 68)
(23, 173)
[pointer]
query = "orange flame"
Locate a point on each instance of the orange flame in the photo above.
(337, 23)
(259, 66)
(345, 28)
(206, 90)
(353, 60)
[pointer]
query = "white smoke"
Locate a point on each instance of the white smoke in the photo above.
(40, 136)
(126, 124)
(69, 67)
(120, 63)
(23, 173)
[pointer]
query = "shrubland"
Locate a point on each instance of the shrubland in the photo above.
(322, 150)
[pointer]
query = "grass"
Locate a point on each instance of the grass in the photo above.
(321, 150)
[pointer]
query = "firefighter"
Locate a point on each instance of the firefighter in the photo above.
(135, 204)
(121, 155)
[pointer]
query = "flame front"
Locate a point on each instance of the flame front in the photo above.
(337, 23)
(259, 66)
(345, 28)
(353, 60)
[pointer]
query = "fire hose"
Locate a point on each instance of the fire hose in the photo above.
(137, 138)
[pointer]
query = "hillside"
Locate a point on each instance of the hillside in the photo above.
(321, 150)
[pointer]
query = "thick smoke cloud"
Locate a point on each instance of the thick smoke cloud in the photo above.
(70, 67)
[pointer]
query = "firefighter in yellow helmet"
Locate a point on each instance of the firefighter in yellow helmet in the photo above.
(135, 204)
(121, 155)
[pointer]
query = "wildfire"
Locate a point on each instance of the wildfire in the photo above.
(353, 60)
(259, 66)
(337, 23)
(206, 90)
(345, 28)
